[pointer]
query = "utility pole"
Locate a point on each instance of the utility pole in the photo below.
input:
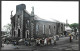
(75, 30)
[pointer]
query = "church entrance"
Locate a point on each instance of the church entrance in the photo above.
(27, 34)
(18, 32)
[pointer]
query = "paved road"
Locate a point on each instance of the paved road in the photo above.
(62, 44)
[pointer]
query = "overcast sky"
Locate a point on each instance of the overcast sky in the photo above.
(58, 10)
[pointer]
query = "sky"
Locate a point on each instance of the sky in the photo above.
(58, 10)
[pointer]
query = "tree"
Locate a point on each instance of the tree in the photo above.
(74, 25)
(7, 28)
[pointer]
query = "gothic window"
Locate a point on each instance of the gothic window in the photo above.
(54, 27)
(14, 24)
(27, 33)
(49, 26)
(43, 29)
(37, 28)
(18, 32)
(49, 29)
(18, 16)
(61, 29)
(26, 25)
(28, 22)
(18, 20)
(31, 29)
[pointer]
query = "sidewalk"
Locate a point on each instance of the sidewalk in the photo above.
(63, 40)
(74, 46)
(62, 44)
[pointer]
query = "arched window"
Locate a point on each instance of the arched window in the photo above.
(54, 27)
(18, 16)
(27, 33)
(18, 20)
(49, 29)
(43, 29)
(28, 22)
(37, 29)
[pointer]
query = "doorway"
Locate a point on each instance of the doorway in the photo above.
(27, 34)
(18, 32)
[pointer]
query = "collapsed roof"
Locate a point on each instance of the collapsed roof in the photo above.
(35, 16)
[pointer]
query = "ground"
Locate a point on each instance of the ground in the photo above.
(63, 44)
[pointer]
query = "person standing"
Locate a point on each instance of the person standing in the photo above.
(65, 33)
(14, 43)
(26, 43)
(70, 38)
(50, 41)
(45, 41)
(37, 42)
(54, 40)
(41, 42)
(7, 42)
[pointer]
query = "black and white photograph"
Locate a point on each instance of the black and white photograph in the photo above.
(40, 25)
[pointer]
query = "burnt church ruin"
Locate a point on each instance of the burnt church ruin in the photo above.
(26, 25)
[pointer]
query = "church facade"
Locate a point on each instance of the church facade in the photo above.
(26, 25)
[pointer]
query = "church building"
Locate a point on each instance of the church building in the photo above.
(26, 25)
